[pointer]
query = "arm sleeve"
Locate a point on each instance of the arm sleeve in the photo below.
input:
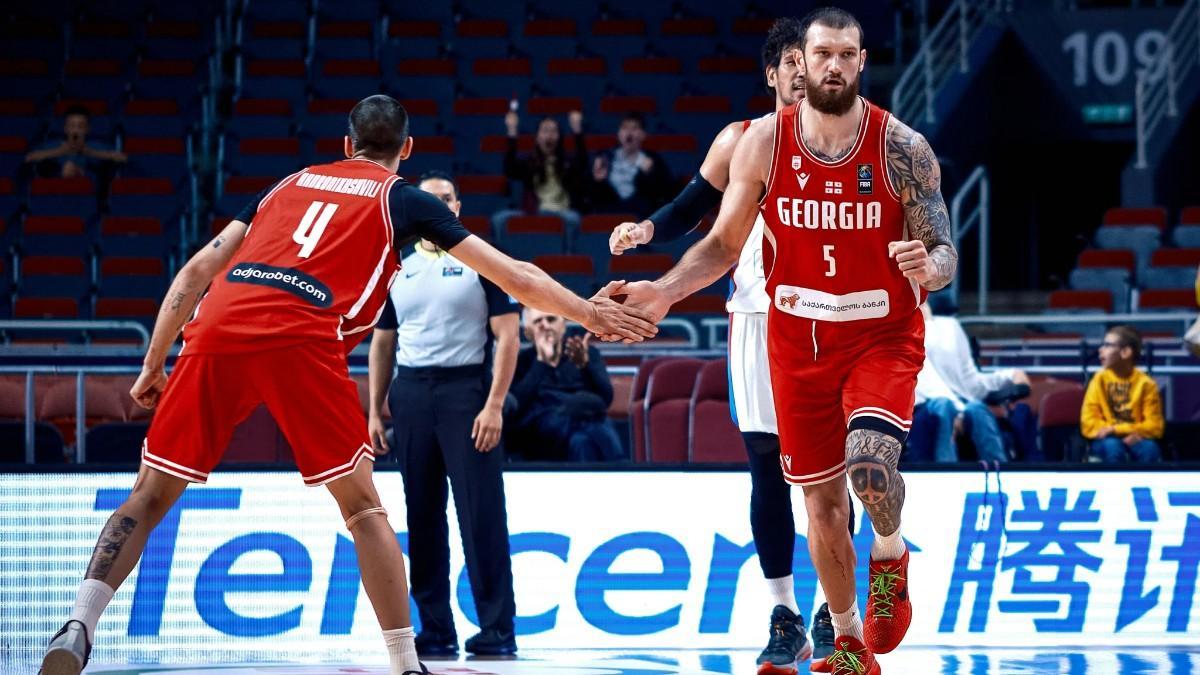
(416, 213)
(682, 214)
(596, 376)
(528, 377)
(498, 302)
(1091, 418)
(387, 318)
(246, 215)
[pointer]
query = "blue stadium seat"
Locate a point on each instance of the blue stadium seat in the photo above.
(410, 39)
(1172, 268)
(27, 77)
(638, 266)
(592, 238)
(100, 79)
(483, 38)
(12, 154)
(132, 237)
(178, 79)
(423, 78)
(527, 237)
(157, 158)
(265, 156)
(345, 39)
(54, 277)
(19, 117)
(276, 10)
(274, 40)
(1141, 239)
(1187, 236)
(261, 118)
(347, 78)
(129, 277)
(349, 10)
(576, 272)
(420, 11)
(1114, 281)
(177, 40)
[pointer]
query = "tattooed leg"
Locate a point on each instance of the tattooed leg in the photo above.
(124, 535)
(829, 542)
(871, 461)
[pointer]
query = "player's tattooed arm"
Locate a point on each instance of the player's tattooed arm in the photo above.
(871, 463)
(917, 178)
(108, 548)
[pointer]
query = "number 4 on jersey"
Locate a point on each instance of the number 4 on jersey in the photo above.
(312, 226)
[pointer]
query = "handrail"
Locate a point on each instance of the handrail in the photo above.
(943, 51)
(1184, 318)
(82, 326)
(981, 216)
(1158, 99)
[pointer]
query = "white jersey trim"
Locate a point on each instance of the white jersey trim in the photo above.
(375, 276)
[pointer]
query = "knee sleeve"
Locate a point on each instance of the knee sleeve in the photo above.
(365, 513)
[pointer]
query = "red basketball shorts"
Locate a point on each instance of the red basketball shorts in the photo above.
(307, 389)
(829, 378)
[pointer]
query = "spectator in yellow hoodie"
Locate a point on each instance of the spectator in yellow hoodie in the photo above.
(1122, 412)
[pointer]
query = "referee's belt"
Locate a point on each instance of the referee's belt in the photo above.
(439, 373)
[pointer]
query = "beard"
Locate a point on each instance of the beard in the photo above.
(831, 103)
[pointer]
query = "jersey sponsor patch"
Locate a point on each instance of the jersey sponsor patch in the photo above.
(808, 303)
(306, 287)
(452, 271)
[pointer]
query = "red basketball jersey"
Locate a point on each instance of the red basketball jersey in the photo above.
(315, 264)
(828, 225)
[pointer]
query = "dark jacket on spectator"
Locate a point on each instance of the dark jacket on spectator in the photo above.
(529, 171)
(652, 189)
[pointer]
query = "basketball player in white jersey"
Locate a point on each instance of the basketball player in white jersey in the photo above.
(856, 233)
(750, 400)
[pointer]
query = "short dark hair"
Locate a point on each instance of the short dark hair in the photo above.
(378, 127)
(832, 17)
(634, 116)
(77, 109)
(784, 33)
(1129, 337)
(435, 174)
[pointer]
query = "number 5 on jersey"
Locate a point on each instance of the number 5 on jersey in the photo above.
(312, 226)
(828, 248)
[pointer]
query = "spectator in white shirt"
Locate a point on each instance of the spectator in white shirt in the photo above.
(951, 391)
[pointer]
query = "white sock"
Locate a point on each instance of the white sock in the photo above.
(93, 596)
(402, 650)
(890, 547)
(783, 592)
(848, 622)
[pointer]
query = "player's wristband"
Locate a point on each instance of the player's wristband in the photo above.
(682, 214)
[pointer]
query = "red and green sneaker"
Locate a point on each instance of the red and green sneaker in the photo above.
(889, 611)
(851, 657)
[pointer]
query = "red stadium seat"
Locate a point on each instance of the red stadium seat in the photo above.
(278, 29)
(701, 304)
(437, 145)
(549, 28)
(167, 68)
(248, 185)
(714, 436)
(126, 308)
(344, 29)
(141, 186)
(118, 225)
(426, 67)
(651, 65)
(554, 105)
(1107, 258)
(565, 263)
(276, 68)
(25, 67)
(760, 104)
(46, 308)
(749, 26)
(637, 406)
(480, 226)
(471, 184)
(13, 144)
(350, 68)
(154, 146)
(1159, 299)
(619, 105)
(481, 28)
(415, 29)
(41, 265)
(711, 65)
(481, 106)
(539, 224)
(1058, 424)
(580, 65)
(1156, 216)
(668, 400)
(604, 223)
(498, 143)
(618, 27)
(101, 405)
(62, 186)
(54, 225)
(1190, 216)
(92, 68)
(640, 263)
(703, 104)
(1175, 257)
(1077, 300)
(510, 67)
(130, 266)
(701, 26)
(94, 106)
(671, 143)
(263, 106)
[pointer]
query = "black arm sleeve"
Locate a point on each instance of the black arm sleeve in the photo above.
(387, 319)
(498, 302)
(682, 214)
(250, 210)
(416, 213)
(596, 375)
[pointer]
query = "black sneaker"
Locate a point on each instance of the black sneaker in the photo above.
(68, 652)
(822, 634)
(433, 645)
(788, 645)
(492, 642)
(422, 671)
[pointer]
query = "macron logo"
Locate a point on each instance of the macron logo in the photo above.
(802, 178)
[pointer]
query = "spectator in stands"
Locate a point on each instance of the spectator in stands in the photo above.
(953, 399)
(74, 156)
(630, 179)
(1122, 412)
(553, 182)
(562, 394)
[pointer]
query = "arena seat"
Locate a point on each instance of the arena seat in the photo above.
(576, 272)
(275, 79)
(1187, 232)
(1058, 424)
(147, 197)
(527, 237)
(1161, 300)
(714, 436)
(156, 156)
(169, 78)
(1101, 301)
(1105, 270)
(266, 156)
(55, 235)
(99, 79)
(274, 39)
(1172, 268)
(344, 36)
(46, 308)
(668, 399)
(101, 405)
(1139, 230)
(132, 236)
(132, 277)
(54, 276)
(168, 39)
(637, 406)
(261, 118)
(637, 266)
(159, 117)
(62, 197)
(594, 231)
(348, 78)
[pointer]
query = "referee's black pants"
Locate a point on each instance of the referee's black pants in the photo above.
(433, 410)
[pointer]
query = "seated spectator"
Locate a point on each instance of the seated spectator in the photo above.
(953, 399)
(1122, 411)
(74, 156)
(562, 394)
(553, 182)
(628, 178)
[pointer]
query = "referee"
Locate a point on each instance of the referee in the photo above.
(442, 319)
